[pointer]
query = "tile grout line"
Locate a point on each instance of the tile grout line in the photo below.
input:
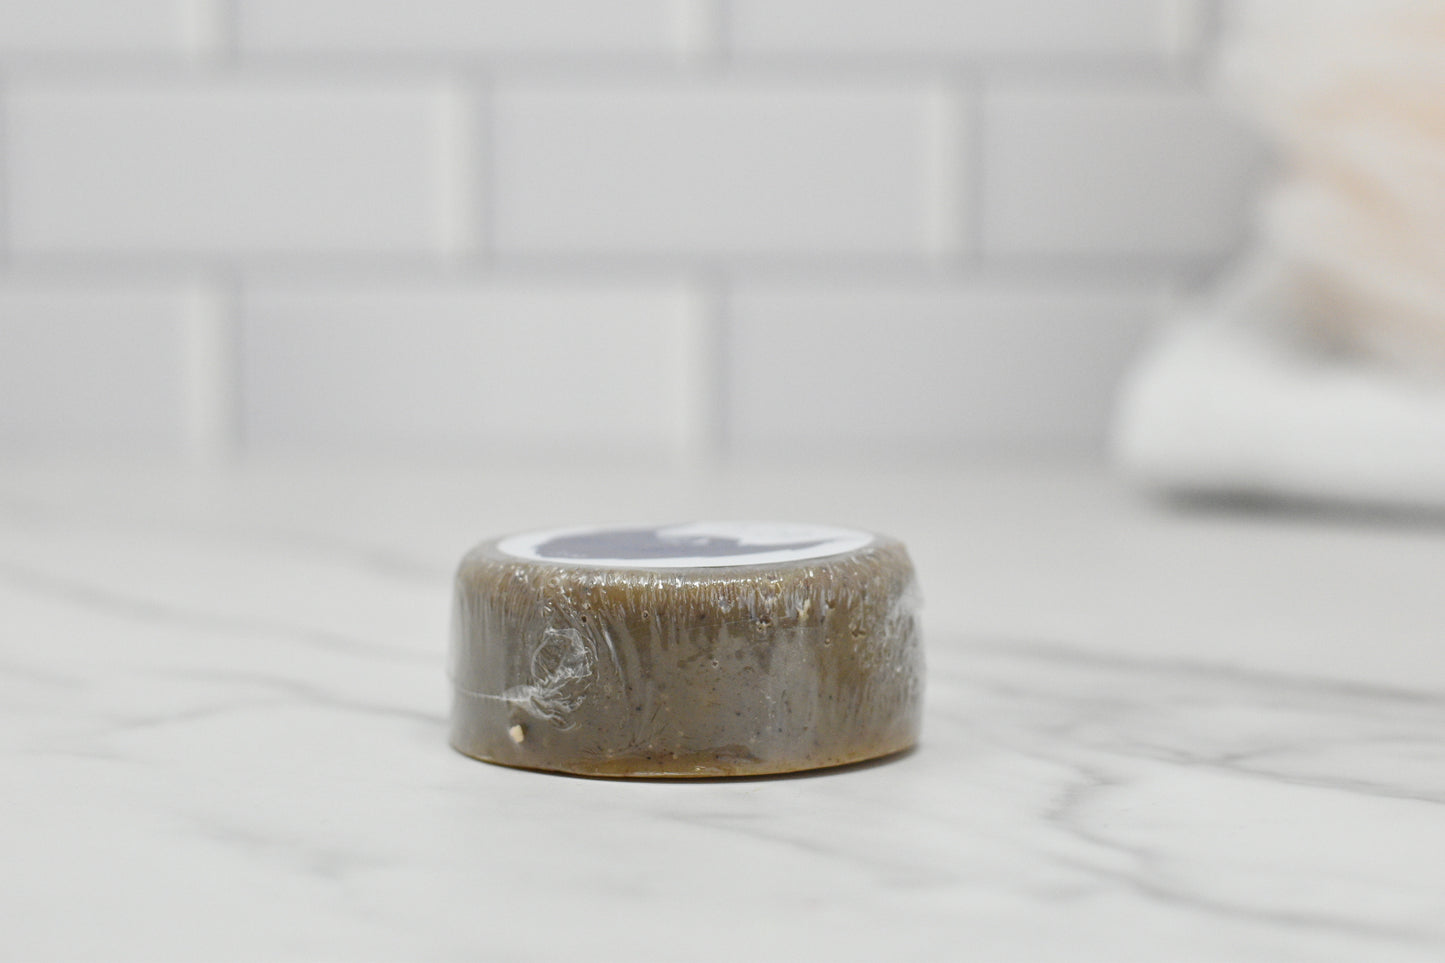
(700, 38)
(976, 196)
(232, 362)
(721, 21)
(1194, 36)
(230, 31)
(464, 167)
(484, 176)
(948, 174)
(7, 256)
(211, 33)
(627, 266)
(217, 34)
(211, 365)
(707, 441)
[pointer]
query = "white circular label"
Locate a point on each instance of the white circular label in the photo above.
(693, 545)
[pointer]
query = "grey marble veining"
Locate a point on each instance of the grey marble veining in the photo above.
(222, 736)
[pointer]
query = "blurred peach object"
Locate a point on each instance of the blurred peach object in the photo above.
(1352, 94)
(1317, 371)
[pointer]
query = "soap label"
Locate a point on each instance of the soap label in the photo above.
(693, 545)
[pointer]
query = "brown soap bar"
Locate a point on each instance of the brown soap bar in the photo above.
(706, 649)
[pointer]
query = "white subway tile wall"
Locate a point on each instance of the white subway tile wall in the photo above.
(927, 367)
(190, 168)
(94, 365)
(1101, 171)
(427, 28)
(114, 27)
(716, 228)
(591, 366)
(701, 171)
(973, 28)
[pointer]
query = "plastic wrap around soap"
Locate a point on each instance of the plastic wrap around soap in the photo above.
(706, 649)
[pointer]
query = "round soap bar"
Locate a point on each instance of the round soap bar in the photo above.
(706, 649)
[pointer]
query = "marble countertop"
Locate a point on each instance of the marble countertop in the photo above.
(1151, 734)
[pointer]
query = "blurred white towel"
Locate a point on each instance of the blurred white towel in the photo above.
(1351, 94)
(1217, 406)
(1317, 370)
